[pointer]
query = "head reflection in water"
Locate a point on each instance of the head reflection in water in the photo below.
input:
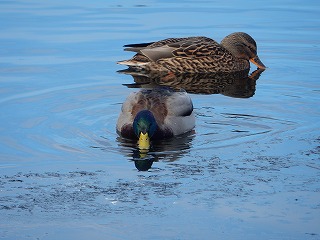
(142, 160)
(143, 165)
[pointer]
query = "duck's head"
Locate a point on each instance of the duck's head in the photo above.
(144, 126)
(243, 46)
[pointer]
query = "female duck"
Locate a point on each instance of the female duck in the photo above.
(196, 54)
(155, 114)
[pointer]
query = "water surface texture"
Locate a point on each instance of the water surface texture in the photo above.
(249, 170)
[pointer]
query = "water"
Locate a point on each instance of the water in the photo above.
(249, 170)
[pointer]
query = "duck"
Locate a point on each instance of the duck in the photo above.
(155, 114)
(195, 54)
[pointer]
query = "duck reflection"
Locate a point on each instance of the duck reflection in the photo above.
(239, 84)
(142, 160)
(166, 150)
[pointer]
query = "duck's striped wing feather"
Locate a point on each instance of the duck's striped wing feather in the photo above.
(187, 47)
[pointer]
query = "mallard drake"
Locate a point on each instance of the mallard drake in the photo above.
(158, 113)
(195, 54)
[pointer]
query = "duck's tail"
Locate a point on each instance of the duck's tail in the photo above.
(136, 47)
(132, 63)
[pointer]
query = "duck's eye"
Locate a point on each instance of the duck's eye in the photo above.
(252, 49)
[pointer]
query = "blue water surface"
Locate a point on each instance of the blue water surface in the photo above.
(249, 170)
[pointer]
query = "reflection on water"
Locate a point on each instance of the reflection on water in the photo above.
(237, 84)
(167, 150)
(143, 160)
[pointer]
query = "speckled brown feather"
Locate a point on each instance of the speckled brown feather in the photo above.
(195, 54)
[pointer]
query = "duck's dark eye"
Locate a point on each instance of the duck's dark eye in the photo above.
(252, 49)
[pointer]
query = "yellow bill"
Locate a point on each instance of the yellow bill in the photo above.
(144, 141)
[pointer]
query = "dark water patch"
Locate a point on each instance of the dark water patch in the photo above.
(82, 194)
(52, 193)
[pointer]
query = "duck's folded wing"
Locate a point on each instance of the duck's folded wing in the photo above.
(136, 47)
(196, 47)
(157, 53)
(187, 47)
(179, 104)
(180, 118)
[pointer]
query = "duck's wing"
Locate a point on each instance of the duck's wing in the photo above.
(179, 104)
(187, 47)
(180, 117)
(171, 47)
(136, 47)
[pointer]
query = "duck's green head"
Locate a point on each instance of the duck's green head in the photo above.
(144, 126)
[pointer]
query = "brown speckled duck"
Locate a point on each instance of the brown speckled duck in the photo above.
(195, 54)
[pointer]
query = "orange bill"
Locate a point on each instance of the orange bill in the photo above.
(256, 60)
